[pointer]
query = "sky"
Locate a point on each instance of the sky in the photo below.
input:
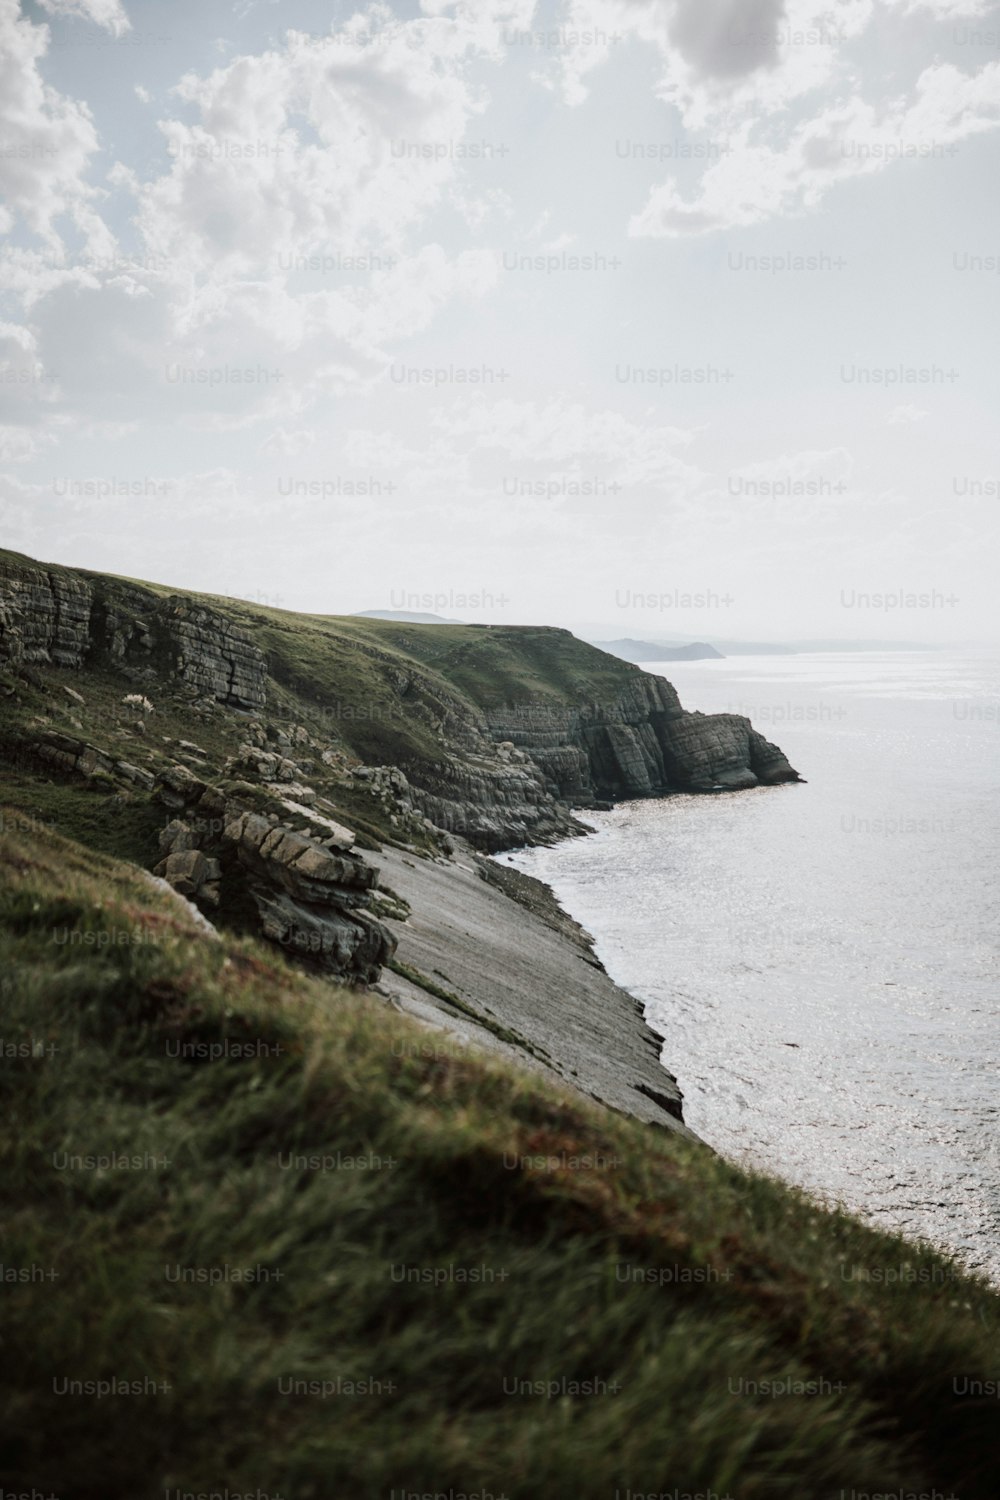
(678, 316)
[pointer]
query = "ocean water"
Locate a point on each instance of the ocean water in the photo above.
(821, 959)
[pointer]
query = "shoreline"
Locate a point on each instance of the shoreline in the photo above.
(490, 958)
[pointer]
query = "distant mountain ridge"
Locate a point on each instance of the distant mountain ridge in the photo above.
(639, 651)
(407, 616)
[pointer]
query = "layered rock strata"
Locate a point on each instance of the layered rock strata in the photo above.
(538, 761)
(44, 616)
(70, 754)
(60, 618)
(311, 893)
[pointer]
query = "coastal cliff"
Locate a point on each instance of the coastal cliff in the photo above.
(272, 1094)
(279, 750)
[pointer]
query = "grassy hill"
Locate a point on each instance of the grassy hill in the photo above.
(344, 672)
(299, 1246)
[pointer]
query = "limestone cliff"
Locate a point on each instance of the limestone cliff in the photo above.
(52, 615)
(511, 772)
(492, 732)
(44, 615)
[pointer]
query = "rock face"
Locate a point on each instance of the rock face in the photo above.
(50, 615)
(537, 761)
(310, 898)
(642, 744)
(213, 655)
(311, 895)
(44, 616)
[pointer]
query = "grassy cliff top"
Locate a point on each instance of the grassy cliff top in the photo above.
(339, 1257)
(386, 688)
(489, 663)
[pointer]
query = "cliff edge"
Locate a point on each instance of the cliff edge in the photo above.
(497, 732)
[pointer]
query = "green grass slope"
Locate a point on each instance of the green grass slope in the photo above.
(267, 1236)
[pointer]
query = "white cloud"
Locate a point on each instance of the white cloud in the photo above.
(472, 446)
(287, 442)
(757, 182)
(833, 464)
(19, 445)
(325, 152)
(46, 141)
(322, 145)
(943, 10)
(107, 13)
(905, 416)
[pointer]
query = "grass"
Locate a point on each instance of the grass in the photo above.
(455, 1227)
(89, 814)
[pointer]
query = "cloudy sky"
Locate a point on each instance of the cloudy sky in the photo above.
(679, 315)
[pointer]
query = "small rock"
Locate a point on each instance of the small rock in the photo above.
(74, 696)
(135, 773)
(176, 837)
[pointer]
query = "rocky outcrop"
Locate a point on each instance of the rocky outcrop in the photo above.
(537, 761)
(70, 754)
(179, 639)
(311, 897)
(311, 891)
(44, 616)
(56, 617)
(213, 655)
(644, 743)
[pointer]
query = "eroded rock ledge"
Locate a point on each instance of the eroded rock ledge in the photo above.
(535, 762)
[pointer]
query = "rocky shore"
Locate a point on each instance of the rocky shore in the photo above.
(498, 942)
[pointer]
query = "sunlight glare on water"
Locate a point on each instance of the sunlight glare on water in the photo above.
(821, 958)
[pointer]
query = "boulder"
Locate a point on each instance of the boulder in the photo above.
(136, 774)
(186, 871)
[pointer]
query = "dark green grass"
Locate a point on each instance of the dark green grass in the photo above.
(89, 814)
(523, 1203)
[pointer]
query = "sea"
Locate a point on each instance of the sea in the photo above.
(821, 958)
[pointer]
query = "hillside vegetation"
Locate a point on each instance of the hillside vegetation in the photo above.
(329, 1254)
